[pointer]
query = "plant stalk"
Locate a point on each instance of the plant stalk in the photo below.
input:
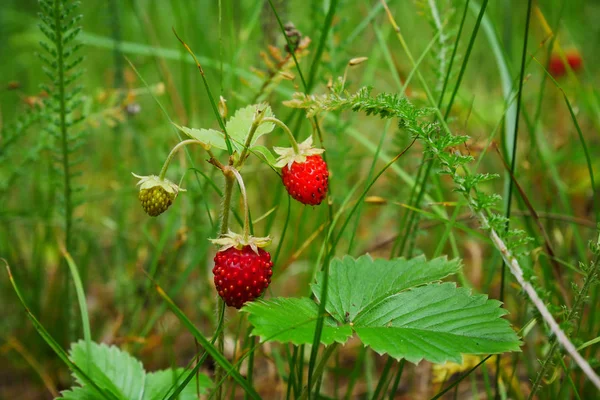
(286, 130)
(178, 146)
(319, 370)
(257, 121)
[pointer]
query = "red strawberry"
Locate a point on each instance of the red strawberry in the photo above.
(307, 182)
(242, 269)
(557, 68)
(304, 172)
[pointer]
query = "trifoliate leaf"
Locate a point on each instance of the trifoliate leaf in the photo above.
(209, 137)
(386, 305)
(238, 126)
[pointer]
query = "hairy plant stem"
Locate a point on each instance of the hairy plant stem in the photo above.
(589, 280)
(286, 130)
(177, 147)
(517, 272)
(244, 199)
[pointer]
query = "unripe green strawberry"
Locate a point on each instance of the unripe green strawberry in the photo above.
(156, 195)
(156, 200)
(242, 270)
(304, 172)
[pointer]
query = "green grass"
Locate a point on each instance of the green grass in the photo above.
(387, 196)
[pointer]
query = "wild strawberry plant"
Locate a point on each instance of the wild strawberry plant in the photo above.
(405, 307)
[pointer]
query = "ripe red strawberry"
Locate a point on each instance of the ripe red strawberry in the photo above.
(307, 182)
(304, 172)
(242, 270)
(557, 68)
(242, 275)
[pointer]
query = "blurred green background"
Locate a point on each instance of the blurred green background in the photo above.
(125, 131)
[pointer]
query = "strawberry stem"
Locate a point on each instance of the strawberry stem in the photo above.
(285, 129)
(235, 172)
(177, 147)
(257, 121)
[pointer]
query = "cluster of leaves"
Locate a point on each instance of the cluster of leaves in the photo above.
(117, 375)
(237, 128)
(439, 144)
(397, 307)
(59, 25)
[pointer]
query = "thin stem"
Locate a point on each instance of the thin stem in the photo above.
(512, 169)
(517, 272)
(221, 348)
(255, 124)
(226, 202)
(63, 123)
(244, 198)
(589, 280)
(286, 130)
(319, 369)
(178, 146)
(221, 304)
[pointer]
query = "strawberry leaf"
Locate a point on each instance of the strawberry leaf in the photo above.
(397, 307)
(161, 383)
(292, 320)
(209, 137)
(122, 375)
(265, 154)
(238, 126)
(110, 368)
(437, 322)
(356, 284)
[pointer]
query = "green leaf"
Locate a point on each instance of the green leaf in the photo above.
(438, 323)
(81, 393)
(239, 125)
(119, 373)
(112, 369)
(356, 284)
(292, 320)
(385, 303)
(209, 137)
(160, 383)
(266, 154)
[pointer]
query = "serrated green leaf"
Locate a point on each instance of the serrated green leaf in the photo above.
(437, 323)
(111, 369)
(123, 375)
(356, 284)
(160, 383)
(385, 304)
(239, 125)
(210, 137)
(292, 320)
(265, 153)
(80, 393)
